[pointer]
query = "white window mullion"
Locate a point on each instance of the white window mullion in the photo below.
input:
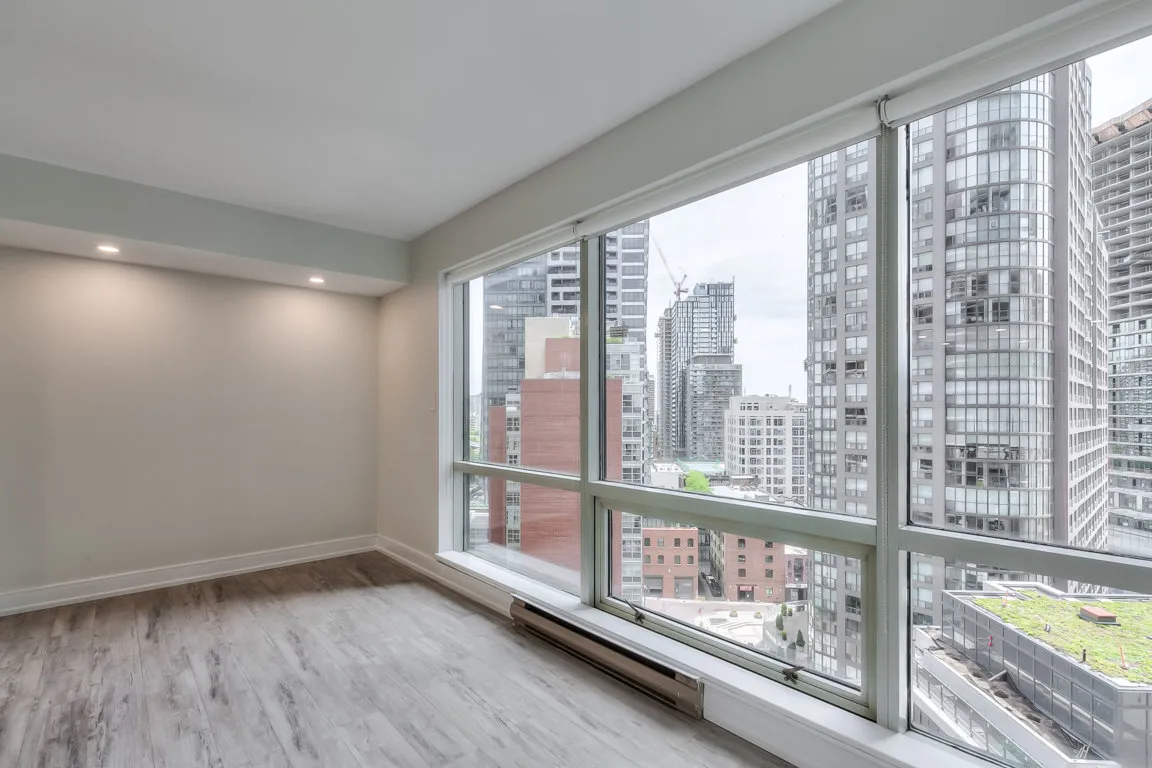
(519, 475)
(593, 571)
(888, 619)
(710, 511)
(1080, 565)
(752, 528)
(452, 394)
(773, 668)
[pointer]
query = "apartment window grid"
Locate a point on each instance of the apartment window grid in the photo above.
(982, 488)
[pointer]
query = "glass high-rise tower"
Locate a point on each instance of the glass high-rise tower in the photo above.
(1122, 187)
(697, 340)
(1007, 368)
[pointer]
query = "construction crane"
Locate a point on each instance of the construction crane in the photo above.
(678, 285)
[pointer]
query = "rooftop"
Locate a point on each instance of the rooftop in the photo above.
(1005, 694)
(1030, 610)
(1131, 514)
(746, 494)
(754, 494)
(706, 467)
(1118, 126)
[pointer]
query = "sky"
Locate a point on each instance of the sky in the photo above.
(757, 234)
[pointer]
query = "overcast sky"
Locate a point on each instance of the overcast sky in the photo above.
(757, 234)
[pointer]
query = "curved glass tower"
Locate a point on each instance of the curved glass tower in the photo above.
(999, 336)
(1012, 319)
(1007, 384)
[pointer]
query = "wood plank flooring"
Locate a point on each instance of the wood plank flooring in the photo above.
(350, 662)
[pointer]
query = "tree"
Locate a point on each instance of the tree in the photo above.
(799, 638)
(780, 622)
(696, 482)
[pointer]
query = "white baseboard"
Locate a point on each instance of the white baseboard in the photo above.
(81, 590)
(487, 595)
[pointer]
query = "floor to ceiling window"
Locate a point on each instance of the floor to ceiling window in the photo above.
(876, 423)
(1024, 330)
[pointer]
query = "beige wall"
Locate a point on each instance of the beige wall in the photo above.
(408, 471)
(152, 417)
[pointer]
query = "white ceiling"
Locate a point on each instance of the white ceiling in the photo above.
(387, 116)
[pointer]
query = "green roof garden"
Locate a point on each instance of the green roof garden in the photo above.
(1071, 634)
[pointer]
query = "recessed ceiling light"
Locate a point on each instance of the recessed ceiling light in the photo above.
(316, 279)
(106, 248)
(1001, 330)
(495, 306)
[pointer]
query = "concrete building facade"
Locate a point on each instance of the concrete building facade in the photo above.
(548, 286)
(670, 567)
(749, 570)
(1122, 187)
(539, 299)
(696, 331)
(540, 420)
(766, 439)
(710, 382)
(1007, 302)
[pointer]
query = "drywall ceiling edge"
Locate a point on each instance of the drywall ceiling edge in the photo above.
(64, 199)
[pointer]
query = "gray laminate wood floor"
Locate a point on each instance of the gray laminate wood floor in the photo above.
(355, 661)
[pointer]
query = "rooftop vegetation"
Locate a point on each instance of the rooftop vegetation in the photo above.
(1072, 635)
(697, 482)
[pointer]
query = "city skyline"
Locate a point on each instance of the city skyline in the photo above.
(768, 217)
(1013, 324)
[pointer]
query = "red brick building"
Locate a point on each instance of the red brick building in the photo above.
(748, 569)
(545, 427)
(670, 567)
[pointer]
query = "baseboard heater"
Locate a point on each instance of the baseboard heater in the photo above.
(676, 689)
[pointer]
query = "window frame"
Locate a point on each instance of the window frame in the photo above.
(843, 535)
(883, 545)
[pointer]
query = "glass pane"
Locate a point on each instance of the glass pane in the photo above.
(1030, 411)
(527, 528)
(1031, 671)
(524, 363)
(804, 608)
(747, 375)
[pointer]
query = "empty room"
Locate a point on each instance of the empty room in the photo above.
(624, 384)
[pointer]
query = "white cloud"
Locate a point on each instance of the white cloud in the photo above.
(757, 234)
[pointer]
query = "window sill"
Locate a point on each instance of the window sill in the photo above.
(792, 725)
